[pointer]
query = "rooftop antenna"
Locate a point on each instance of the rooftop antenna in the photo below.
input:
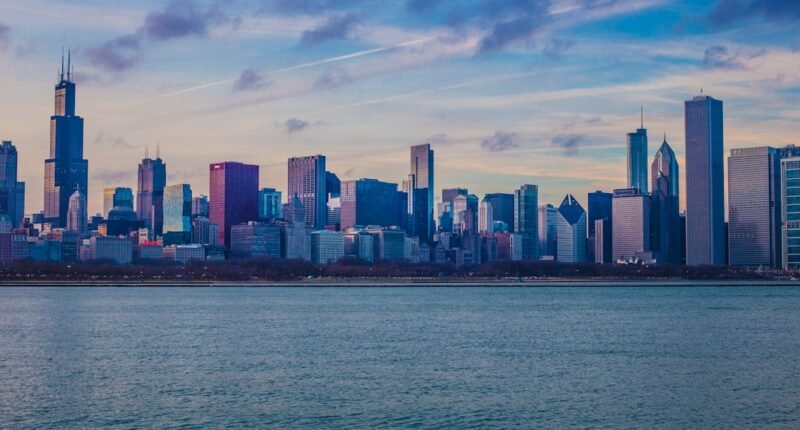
(62, 64)
(147, 151)
(642, 107)
(158, 151)
(69, 64)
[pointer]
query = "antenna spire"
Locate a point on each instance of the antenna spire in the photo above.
(146, 151)
(158, 151)
(62, 64)
(642, 119)
(69, 64)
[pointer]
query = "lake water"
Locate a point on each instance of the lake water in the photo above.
(399, 357)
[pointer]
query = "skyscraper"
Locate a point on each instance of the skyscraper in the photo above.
(12, 192)
(177, 214)
(790, 212)
(502, 207)
(526, 220)
(754, 207)
(152, 179)
(548, 230)
(200, 206)
(485, 217)
(420, 193)
(233, 196)
(571, 242)
(269, 204)
(664, 206)
(119, 197)
(307, 181)
(369, 202)
(76, 213)
(66, 170)
(705, 191)
(637, 158)
(599, 209)
(630, 229)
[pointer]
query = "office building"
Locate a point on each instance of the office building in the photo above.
(233, 189)
(184, 253)
(369, 202)
(602, 241)
(571, 231)
(790, 212)
(526, 220)
(548, 230)
(599, 208)
(637, 159)
(754, 207)
(177, 212)
(116, 249)
(204, 232)
(326, 246)
(665, 210)
(118, 197)
(705, 191)
(307, 181)
(502, 207)
(359, 244)
(255, 240)
(151, 180)
(630, 224)
(485, 217)
(296, 234)
(76, 213)
(12, 192)
(389, 244)
(269, 204)
(420, 193)
(66, 170)
(200, 206)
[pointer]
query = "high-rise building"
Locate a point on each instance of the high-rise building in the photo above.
(502, 207)
(599, 209)
(420, 193)
(630, 229)
(705, 190)
(269, 204)
(12, 192)
(571, 231)
(66, 170)
(548, 230)
(177, 214)
(200, 206)
(152, 178)
(369, 202)
(118, 197)
(76, 213)
(485, 217)
(790, 212)
(602, 240)
(307, 181)
(526, 220)
(665, 210)
(233, 196)
(204, 232)
(637, 158)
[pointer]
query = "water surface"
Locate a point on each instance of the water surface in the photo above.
(399, 357)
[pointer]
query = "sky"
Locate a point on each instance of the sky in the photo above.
(508, 92)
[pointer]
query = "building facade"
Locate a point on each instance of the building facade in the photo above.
(548, 230)
(326, 246)
(630, 229)
(502, 207)
(571, 231)
(369, 202)
(255, 240)
(12, 192)
(790, 213)
(665, 206)
(637, 159)
(76, 213)
(420, 193)
(307, 181)
(705, 193)
(599, 209)
(233, 196)
(526, 220)
(151, 180)
(177, 214)
(270, 206)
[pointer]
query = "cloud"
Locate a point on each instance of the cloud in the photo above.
(112, 176)
(308, 7)
(726, 13)
(111, 141)
(295, 125)
(437, 139)
(330, 78)
(507, 32)
(570, 143)
(501, 141)
(556, 47)
(337, 27)
(249, 80)
(720, 57)
(5, 36)
(178, 19)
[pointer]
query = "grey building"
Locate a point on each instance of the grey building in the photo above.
(754, 207)
(790, 212)
(502, 207)
(152, 178)
(307, 181)
(665, 211)
(630, 229)
(571, 231)
(526, 220)
(256, 240)
(705, 191)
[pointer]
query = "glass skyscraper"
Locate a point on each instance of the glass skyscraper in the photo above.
(152, 178)
(502, 207)
(571, 231)
(233, 196)
(705, 190)
(307, 181)
(754, 221)
(66, 170)
(12, 192)
(269, 204)
(599, 209)
(526, 220)
(790, 212)
(665, 211)
(420, 193)
(637, 159)
(548, 230)
(369, 202)
(177, 214)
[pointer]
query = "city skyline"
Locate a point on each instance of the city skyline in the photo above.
(508, 118)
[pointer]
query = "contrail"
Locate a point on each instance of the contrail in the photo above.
(296, 67)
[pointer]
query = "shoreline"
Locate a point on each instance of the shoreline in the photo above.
(421, 283)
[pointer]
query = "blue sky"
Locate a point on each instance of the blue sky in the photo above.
(508, 92)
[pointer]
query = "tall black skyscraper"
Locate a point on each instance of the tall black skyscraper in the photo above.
(664, 206)
(600, 204)
(66, 170)
(12, 192)
(152, 179)
(420, 193)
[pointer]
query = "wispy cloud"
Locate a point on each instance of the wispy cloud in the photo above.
(727, 13)
(570, 143)
(249, 80)
(294, 125)
(500, 141)
(336, 27)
